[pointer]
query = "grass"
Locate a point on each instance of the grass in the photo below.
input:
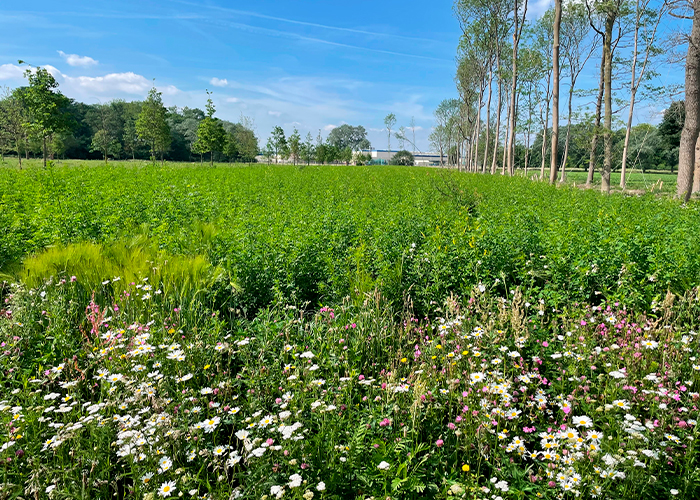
(654, 181)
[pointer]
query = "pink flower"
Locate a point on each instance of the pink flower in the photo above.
(545, 344)
(439, 443)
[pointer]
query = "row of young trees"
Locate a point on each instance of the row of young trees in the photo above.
(39, 119)
(344, 144)
(508, 78)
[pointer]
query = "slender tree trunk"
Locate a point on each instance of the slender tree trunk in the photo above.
(488, 120)
(628, 132)
(544, 145)
(514, 88)
(696, 174)
(689, 135)
(553, 167)
(44, 149)
(504, 165)
(598, 113)
(568, 133)
(499, 105)
(607, 130)
(478, 132)
(527, 146)
(19, 155)
(633, 93)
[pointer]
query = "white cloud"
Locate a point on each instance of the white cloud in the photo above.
(233, 99)
(129, 83)
(76, 60)
(11, 72)
(537, 8)
(218, 82)
(274, 113)
(115, 83)
(329, 127)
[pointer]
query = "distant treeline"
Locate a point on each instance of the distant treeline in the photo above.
(113, 130)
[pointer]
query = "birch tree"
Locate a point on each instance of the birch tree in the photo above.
(577, 46)
(555, 92)
(646, 26)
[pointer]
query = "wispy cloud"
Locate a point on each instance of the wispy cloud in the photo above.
(76, 60)
(374, 34)
(219, 82)
(302, 38)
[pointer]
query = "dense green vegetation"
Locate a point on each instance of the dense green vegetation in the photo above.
(253, 331)
(318, 234)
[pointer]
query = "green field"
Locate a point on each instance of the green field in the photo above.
(254, 331)
(637, 181)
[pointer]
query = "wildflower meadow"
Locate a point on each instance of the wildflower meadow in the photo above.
(470, 342)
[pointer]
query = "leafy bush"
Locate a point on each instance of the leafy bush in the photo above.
(403, 157)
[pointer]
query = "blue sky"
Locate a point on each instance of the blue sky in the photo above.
(306, 64)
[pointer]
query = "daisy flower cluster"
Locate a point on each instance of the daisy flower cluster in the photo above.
(151, 401)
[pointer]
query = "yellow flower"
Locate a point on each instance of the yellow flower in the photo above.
(438, 346)
(171, 331)
(465, 468)
(464, 353)
(206, 367)
(404, 360)
(433, 357)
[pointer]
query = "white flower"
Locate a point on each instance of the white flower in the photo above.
(476, 377)
(502, 485)
(383, 465)
(295, 480)
(583, 421)
(166, 489)
(165, 464)
(210, 424)
(307, 354)
(321, 486)
(277, 491)
(673, 492)
(50, 488)
(621, 403)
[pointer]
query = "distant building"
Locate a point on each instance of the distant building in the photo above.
(422, 159)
